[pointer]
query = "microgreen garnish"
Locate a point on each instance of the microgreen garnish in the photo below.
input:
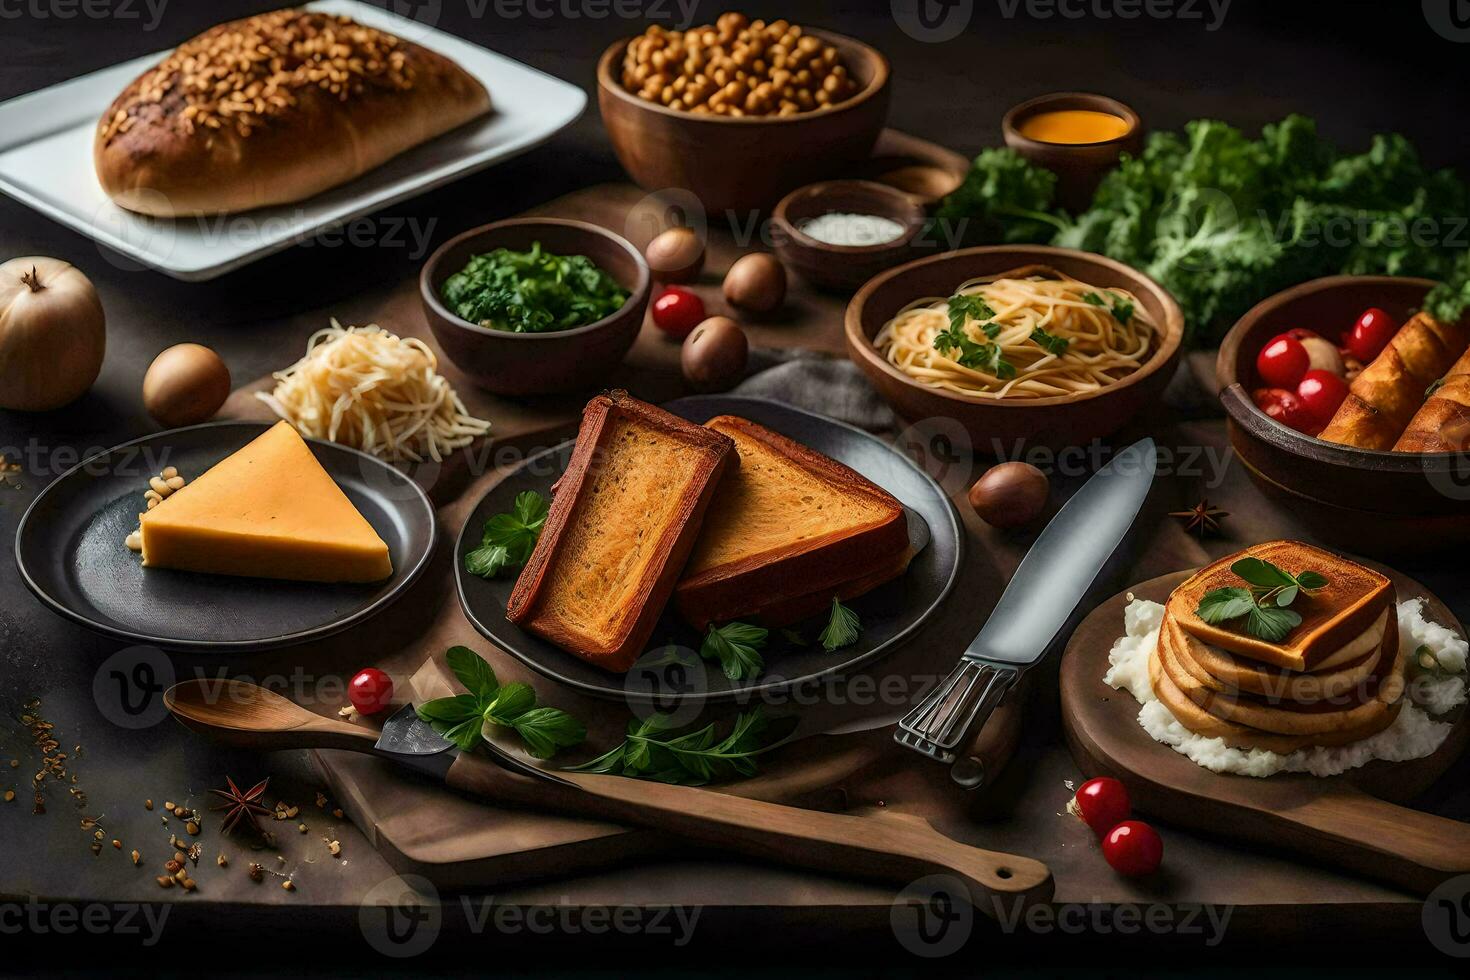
(461, 718)
(1263, 601)
(509, 539)
(842, 629)
(652, 751)
(737, 647)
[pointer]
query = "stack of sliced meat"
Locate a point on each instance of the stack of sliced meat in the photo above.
(1336, 678)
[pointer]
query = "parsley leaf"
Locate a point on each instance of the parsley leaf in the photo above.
(737, 647)
(971, 306)
(842, 629)
(509, 539)
(694, 758)
(1050, 343)
(461, 718)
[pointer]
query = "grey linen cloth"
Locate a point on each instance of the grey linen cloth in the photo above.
(832, 386)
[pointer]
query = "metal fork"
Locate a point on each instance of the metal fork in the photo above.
(958, 705)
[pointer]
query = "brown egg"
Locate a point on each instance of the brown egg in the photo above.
(186, 384)
(1010, 494)
(714, 354)
(676, 255)
(756, 282)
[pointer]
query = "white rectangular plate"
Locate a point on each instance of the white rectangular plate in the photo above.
(46, 158)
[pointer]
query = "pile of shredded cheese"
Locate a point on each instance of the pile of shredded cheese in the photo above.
(370, 389)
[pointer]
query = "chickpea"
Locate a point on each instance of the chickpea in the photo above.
(736, 67)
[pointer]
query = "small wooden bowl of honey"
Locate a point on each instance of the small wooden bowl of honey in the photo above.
(1077, 136)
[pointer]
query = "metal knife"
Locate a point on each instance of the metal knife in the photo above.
(1052, 579)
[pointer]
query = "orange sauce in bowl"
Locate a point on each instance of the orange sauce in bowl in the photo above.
(1073, 126)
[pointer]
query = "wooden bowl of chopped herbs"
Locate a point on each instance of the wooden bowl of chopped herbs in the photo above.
(537, 305)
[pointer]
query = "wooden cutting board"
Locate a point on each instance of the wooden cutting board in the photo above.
(1354, 821)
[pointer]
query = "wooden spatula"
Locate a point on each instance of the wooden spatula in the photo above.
(893, 848)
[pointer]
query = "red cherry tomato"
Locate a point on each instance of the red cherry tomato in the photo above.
(370, 691)
(1285, 407)
(1320, 393)
(1133, 848)
(1101, 803)
(1283, 361)
(1371, 334)
(677, 311)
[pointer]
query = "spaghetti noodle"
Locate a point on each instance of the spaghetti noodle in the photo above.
(1031, 333)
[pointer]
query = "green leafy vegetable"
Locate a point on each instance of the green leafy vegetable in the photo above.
(461, 718)
(842, 629)
(1223, 221)
(1219, 605)
(737, 647)
(971, 306)
(1263, 604)
(1049, 343)
(509, 539)
(795, 638)
(652, 751)
(532, 292)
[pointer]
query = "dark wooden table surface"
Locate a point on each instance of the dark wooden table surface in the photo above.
(1361, 69)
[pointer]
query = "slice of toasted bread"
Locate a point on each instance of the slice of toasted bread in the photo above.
(622, 522)
(793, 609)
(1239, 736)
(1331, 617)
(789, 522)
(1352, 710)
(1232, 673)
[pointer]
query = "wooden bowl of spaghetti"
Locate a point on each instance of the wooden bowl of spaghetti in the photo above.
(1022, 345)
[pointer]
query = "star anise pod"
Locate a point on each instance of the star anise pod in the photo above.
(242, 807)
(1202, 518)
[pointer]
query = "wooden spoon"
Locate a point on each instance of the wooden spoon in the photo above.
(895, 848)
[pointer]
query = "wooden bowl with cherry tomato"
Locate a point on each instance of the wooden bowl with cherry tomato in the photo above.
(1282, 370)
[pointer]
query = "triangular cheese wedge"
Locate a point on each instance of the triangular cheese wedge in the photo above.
(268, 511)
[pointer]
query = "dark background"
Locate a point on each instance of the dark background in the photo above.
(1358, 68)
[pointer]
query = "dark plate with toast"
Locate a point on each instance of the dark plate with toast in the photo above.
(796, 664)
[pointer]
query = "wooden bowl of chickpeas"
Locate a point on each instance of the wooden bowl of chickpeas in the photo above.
(741, 111)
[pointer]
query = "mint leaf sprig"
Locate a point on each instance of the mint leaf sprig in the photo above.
(653, 751)
(461, 718)
(509, 539)
(1263, 601)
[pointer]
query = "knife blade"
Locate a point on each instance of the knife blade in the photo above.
(1066, 559)
(1059, 570)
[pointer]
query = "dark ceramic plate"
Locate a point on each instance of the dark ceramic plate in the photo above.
(890, 614)
(69, 549)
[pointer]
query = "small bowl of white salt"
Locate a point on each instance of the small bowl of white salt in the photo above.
(838, 234)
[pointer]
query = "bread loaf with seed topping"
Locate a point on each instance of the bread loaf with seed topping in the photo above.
(273, 109)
